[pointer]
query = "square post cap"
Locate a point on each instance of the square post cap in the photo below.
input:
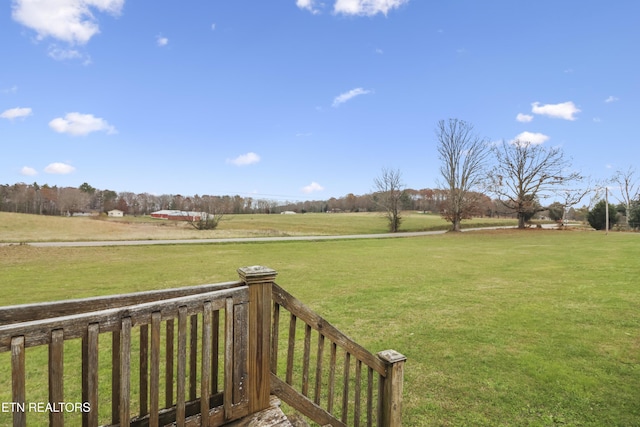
(256, 274)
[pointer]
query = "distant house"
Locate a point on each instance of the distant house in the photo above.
(175, 215)
(287, 213)
(116, 213)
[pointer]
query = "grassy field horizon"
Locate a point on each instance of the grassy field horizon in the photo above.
(18, 228)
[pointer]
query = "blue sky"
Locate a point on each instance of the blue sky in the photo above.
(305, 99)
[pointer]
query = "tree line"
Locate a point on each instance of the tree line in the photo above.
(53, 200)
(519, 174)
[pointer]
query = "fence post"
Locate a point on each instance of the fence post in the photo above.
(391, 409)
(259, 280)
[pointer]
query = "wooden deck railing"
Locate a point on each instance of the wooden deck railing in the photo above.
(221, 363)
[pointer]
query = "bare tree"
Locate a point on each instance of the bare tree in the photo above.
(629, 189)
(210, 218)
(388, 195)
(571, 196)
(463, 156)
(525, 172)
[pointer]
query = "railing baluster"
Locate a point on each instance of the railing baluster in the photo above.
(155, 370)
(206, 363)
(345, 387)
(182, 366)
(275, 337)
(115, 377)
(240, 352)
(228, 359)
(193, 357)
(56, 375)
(18, 380)
(125, 371)
(144, 369)
(215, 348)
(358, 385)
(332, 377)
(319, 362)
(291, 349)
(369, 397)
(90, 374)
(305, 360)
(169, 356)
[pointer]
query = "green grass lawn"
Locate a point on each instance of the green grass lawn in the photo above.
(529, 327)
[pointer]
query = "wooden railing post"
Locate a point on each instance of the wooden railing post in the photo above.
(390, 414)
(259, 280)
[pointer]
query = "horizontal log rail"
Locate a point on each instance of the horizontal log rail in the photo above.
(199, 355)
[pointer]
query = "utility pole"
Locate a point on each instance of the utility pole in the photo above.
(606, 210)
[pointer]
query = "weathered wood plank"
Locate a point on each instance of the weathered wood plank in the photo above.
(345, 386)
(154, 380)
(306, 353)
(125, 371)
(391, 405)
(169, 358)
(240, 352)
(205, 376)
(44, 310)
(301, 311)
(90, 374)
(38, 332)
(18, 380)
(302, 404)
(260, 283)
(275, 337)
(215, 348)
(332, 377)
(115, 377)
(182, 367)
(193, 356)
(144, 369)
(357, 395)
(291, 348)
(369, 397)
(56, 376)
(228, 359)
(319, 366)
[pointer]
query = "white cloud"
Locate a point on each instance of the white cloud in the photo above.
(366, 7)
(379, 51)
(27, 171)
(564, 110)
(597, 120)
(62, 54)
(11, 90)
(80, 124)
(71, 21)
(245, 159)
(307, 5)
(344, 97)
(534, 138)
(59, 169)
(524, 118)
(162, 41)
(213, 26)
(611, 99)
(311, 188)
(16, 113)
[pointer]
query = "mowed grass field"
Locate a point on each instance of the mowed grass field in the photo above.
(500, 328)
(16, 228)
